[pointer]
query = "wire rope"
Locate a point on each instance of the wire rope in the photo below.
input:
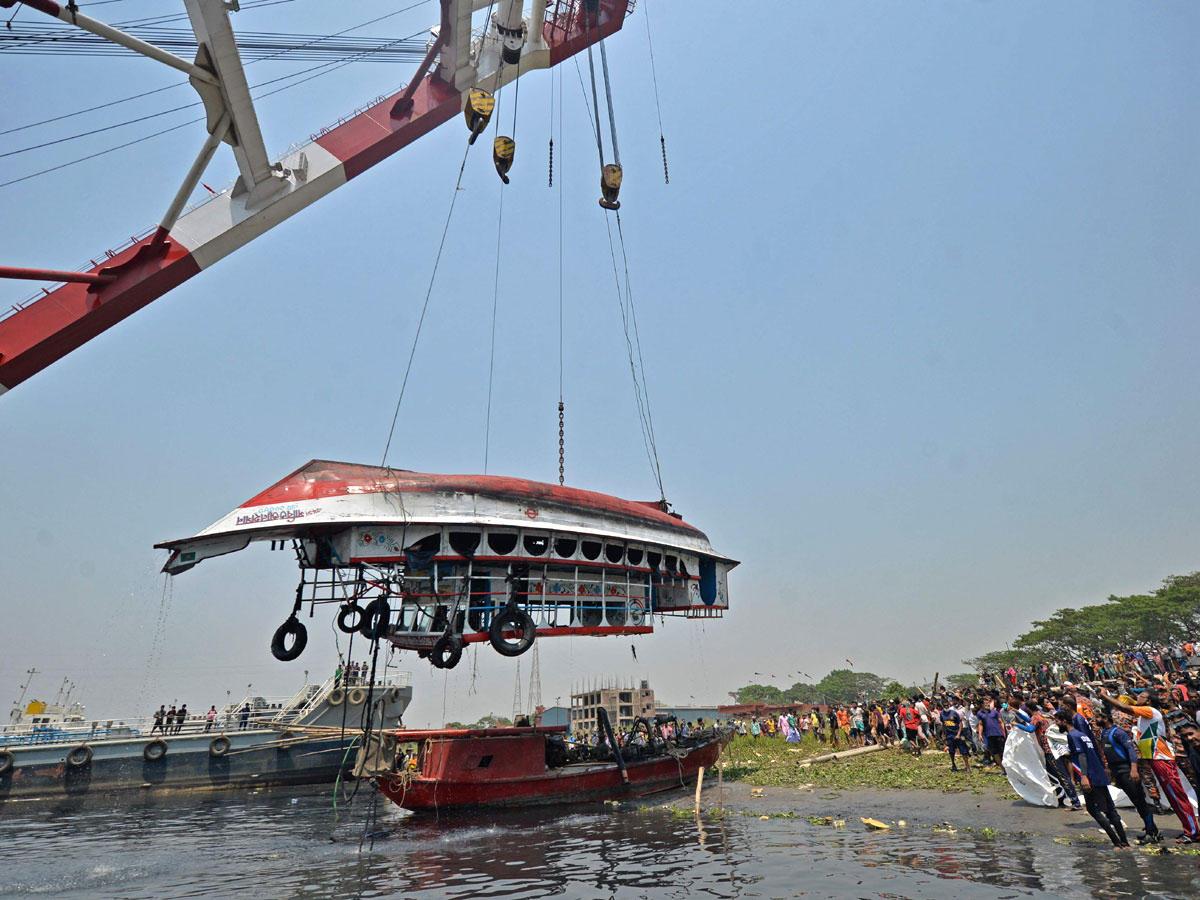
(657, 106)
(487, 432)
(328, 67)
(425, 306)
(138, 96)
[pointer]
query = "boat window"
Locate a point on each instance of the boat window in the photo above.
(564, 547)
(614, 552)
(431, 543)
(535, 544)
(672, 564)
(591, 549)
(683, 568)
(653, 560)
(485, 761)
(464, 542)
(634, 556)
(502, 543)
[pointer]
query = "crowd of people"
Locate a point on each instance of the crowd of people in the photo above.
(1131, 720)
(173, 720)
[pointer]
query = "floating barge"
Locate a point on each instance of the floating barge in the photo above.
(44, 755)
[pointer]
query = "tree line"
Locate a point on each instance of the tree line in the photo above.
(1164, 617)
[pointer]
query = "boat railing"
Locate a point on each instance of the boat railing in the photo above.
(263, 713)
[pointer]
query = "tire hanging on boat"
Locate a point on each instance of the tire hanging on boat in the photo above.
(446, 652)
(512, 618)
(375, 619)
(336, 697)
(7, 761)
(155, 750)
(218, 747)
(347, 611)
(79, 757)
(356, 696)
(299, 634)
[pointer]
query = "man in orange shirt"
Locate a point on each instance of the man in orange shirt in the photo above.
(1155, 747)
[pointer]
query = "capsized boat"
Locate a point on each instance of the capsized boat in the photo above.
(533, 766)
(435, 562)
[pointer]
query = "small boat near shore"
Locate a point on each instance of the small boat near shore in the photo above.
(52, 751)
(458, 769)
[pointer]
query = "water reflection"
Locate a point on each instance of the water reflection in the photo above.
(279, 845)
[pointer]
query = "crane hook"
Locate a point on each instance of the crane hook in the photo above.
(478, 111)
(503, 149)
(610, 186)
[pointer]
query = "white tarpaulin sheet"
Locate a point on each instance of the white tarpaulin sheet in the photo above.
(1026, 769)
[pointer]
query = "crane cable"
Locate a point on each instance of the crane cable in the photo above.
(633, 344)
(425, 306)
(561, 426)
(657, 106)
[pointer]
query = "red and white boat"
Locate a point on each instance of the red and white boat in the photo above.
(435, 562)
(507, 767)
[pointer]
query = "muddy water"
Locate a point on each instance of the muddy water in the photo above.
(293, 845)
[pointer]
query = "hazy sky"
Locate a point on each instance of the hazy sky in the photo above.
(918, 307)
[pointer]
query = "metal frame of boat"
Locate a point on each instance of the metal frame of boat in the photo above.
(449, 553)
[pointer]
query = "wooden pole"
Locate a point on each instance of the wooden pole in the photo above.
(721, 786)
(842, 755)
(699, 784)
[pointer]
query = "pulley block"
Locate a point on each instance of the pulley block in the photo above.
(610, 186)
(503, 150)
(478, 111)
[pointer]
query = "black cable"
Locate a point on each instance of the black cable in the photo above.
(425, 306)
(328, 67)
(180, 83)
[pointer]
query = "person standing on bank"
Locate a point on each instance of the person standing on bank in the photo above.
(1093, 780)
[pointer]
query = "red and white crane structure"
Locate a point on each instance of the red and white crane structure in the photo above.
(267, 192)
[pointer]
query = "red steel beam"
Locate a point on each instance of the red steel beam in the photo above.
(51, 326)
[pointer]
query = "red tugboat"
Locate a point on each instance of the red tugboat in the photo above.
(506, 767)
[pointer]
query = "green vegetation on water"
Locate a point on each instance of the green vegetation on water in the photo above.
(774, 762)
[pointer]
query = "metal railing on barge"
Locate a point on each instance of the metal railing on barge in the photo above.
(266, 713)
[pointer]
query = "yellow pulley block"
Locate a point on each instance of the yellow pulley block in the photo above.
(610, 186)
(503, 150)
(478, 111)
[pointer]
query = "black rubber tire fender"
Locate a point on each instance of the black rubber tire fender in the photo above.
(446, 652)
(394, 695)
(376, 619)
(7, 761)
(155, 750)
(218, 746)
(347, 611)
(512, 618)
(295, 629)
(79, 756)
(356, 696)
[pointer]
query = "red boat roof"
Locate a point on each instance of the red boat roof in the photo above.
(326, 478)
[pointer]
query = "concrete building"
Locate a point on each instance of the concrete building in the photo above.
(709, 714)
(623, 703)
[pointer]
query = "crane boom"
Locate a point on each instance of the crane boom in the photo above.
(37, 334)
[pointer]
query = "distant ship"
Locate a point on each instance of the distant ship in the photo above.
(52, 750)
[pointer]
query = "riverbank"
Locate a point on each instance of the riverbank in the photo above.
(769, 778)
(767, 762)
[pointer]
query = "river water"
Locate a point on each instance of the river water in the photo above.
(292, 844)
